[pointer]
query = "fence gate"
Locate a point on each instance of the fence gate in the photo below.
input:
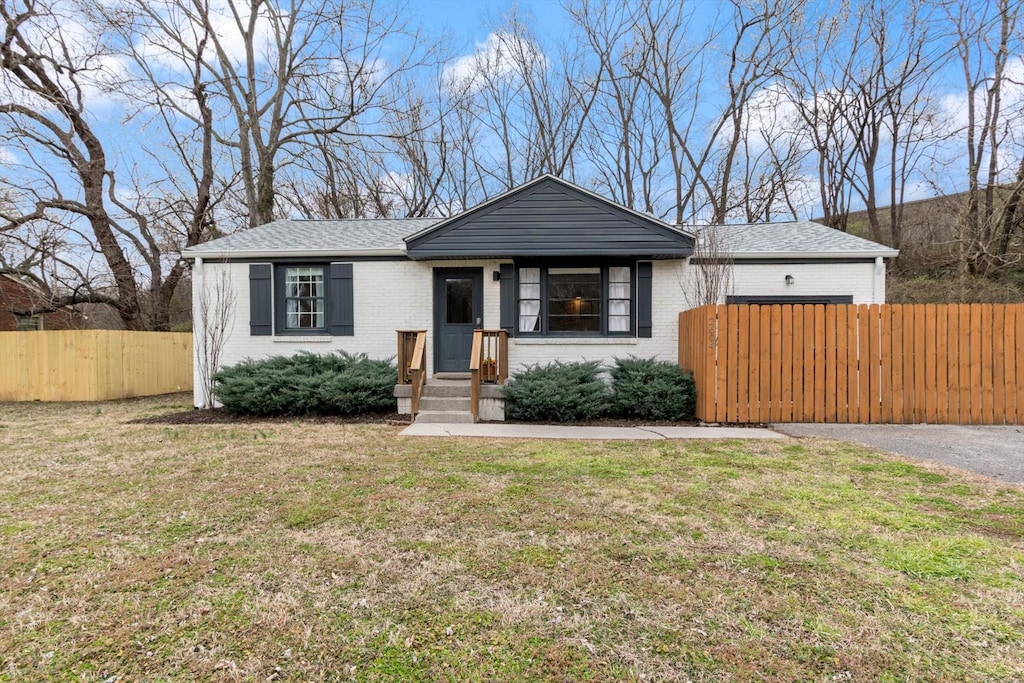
(892, 363)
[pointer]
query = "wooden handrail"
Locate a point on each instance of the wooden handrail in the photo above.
(488, 362)
(412, 363)
(475, 360)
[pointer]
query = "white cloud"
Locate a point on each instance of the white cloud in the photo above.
(69, 40)
(8, 157)
(161, 46)
(501, 55)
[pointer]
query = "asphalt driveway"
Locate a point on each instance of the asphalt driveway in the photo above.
(996, 452)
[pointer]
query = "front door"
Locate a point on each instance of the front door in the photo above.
(458, 310)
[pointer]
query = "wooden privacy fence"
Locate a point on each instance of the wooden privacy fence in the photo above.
(947, 364)
(93, 365)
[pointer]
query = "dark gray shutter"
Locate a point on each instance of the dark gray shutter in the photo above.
(644, 290)
(508, 298)
(261, 312)
(340, 301)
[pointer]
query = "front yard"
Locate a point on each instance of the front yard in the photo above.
(306, 551)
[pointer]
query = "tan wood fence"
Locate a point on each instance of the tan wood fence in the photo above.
(946, 364)
(93, 365)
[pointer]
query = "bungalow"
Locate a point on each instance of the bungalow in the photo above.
(550, 270)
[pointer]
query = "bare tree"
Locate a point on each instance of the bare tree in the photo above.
(712, 268)
(986, 40)
(216, 308)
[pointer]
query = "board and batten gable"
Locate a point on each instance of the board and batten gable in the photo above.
(549, 218)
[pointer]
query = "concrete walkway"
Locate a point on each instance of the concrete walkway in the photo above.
(526, 431)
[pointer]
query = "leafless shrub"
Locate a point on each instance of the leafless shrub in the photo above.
(216, 317)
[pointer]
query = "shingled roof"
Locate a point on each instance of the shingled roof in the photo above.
(793, 239)
(387, 237)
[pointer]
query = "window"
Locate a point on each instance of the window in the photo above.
(28, 323)
(576, 301)
(619, 299)
(303, 293)
(314, 299)
(305, 299)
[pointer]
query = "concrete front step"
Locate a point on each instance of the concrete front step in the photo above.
(447, 388)
(449, 403)
(445, 417)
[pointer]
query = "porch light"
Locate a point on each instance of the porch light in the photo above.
(789, 280)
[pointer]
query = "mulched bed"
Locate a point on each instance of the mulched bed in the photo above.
(221, 416)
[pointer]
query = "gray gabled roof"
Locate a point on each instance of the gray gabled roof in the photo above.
(362, 236)
(792, 239)
(388, 237)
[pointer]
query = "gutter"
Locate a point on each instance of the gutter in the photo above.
(285, 253)
(873, 254)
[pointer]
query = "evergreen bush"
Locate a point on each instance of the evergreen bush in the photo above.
(649, 389)
(308, 384)
(557, 392)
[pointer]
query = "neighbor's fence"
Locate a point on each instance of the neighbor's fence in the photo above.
(948, 364)
(93, 365)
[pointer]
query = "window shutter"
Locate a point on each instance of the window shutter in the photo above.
(644, 291)
(340, 301)
(508, 298)
(261, 315)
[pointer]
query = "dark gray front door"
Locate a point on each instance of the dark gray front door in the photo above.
(458, 310)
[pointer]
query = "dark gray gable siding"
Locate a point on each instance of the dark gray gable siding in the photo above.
(548, 218)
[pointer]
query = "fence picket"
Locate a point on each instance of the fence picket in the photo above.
(874, 365)
(941, 366)
(830, 364)
(929, 363)
(809, 361)
(753, 366)
(787, 364)
(907, 356)
(998, 360)
(985, 340)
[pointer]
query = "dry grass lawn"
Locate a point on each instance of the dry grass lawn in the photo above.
(301, 551)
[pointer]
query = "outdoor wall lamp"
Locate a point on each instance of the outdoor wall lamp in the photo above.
(789, 280)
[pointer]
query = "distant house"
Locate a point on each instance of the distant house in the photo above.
(566, 273)
(17, 296)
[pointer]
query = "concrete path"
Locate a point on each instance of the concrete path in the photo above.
(525, 431)
(993, 451)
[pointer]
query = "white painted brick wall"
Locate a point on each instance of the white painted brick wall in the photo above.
(811, 279)
(394, 295)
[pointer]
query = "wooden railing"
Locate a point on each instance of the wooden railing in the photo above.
(412, 363)
(488, 364)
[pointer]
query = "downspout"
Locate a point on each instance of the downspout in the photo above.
(878, 290)
(198, 334)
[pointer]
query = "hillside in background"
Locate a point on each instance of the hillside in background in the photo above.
(928, 269)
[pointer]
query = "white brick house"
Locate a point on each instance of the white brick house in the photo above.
(568, 274)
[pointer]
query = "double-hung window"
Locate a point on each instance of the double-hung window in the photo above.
(576, 301)
(304, 298)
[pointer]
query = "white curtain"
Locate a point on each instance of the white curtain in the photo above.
(618, 299)
(529, 299)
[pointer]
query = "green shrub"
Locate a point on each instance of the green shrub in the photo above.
(649, 389)
(308, 384)
(559, 392)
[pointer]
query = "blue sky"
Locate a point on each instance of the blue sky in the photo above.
(469, 21)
